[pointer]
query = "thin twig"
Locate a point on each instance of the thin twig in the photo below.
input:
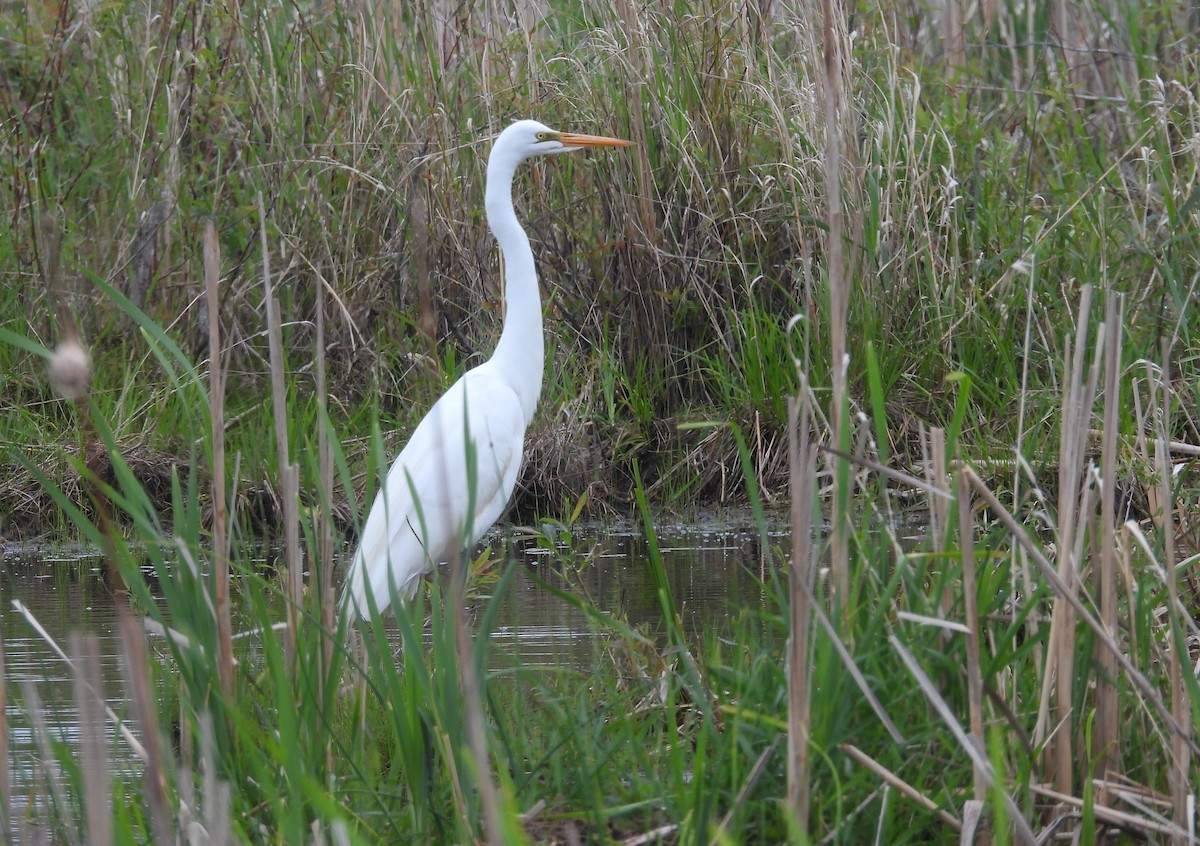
(901, 785)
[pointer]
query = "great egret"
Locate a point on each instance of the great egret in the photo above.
(430, 506)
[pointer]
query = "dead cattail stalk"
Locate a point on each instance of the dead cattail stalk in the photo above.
(935, 474)
(839, 295)
(1058, 680)
(1142, 826)
(216, 404)
(50, 789)
(93, 753)
(289, 473)
(324, 528)
(906, 789)
(803, 468)
(939, 513)
(137, 675)
(966, 545)
(1106, 730)
(218, 796)
(1177, 773)
(489, 794)
(954, 36)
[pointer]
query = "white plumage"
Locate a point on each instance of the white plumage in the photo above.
(428, 510)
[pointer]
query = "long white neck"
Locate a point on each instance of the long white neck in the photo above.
(520, 354)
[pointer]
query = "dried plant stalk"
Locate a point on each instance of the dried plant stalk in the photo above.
(137, 676)
(939, 515)
(1057, 684)
(324, 528)
(838, 302)
(900, 784)
(1180, 706)
(216, 389)
(94, 751)
(489, 794)
(954, 36)
(1142, 826)
(289, 475)
(966, 542)
(802, 471)
(1106, 730)
(935, 473)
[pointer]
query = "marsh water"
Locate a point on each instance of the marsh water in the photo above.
(716, 574)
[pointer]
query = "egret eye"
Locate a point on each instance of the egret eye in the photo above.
(541, 136)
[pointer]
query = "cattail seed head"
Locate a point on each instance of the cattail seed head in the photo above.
(71, 370)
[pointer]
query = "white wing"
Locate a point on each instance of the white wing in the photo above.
(428, 509)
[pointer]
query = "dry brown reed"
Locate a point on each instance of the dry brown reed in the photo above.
(94, 746)
(839, 297)
(1055, 712)
(1141, 824)
(966, 535)
(489, 793)
(289, 472)
(1181, 709)
(906, 789)
(216, 404)
(803, 470)
(137, 679)
(933, 448)
(324, 528)
(1107, 729)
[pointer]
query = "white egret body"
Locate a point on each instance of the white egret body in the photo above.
(429, 508)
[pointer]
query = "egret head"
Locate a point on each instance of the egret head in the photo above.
(527, 138)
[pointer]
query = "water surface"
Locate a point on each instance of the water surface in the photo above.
(715, 575)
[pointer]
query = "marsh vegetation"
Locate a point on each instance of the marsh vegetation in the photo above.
(258, 211)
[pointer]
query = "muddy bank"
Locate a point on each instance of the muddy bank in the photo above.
(565, 461)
